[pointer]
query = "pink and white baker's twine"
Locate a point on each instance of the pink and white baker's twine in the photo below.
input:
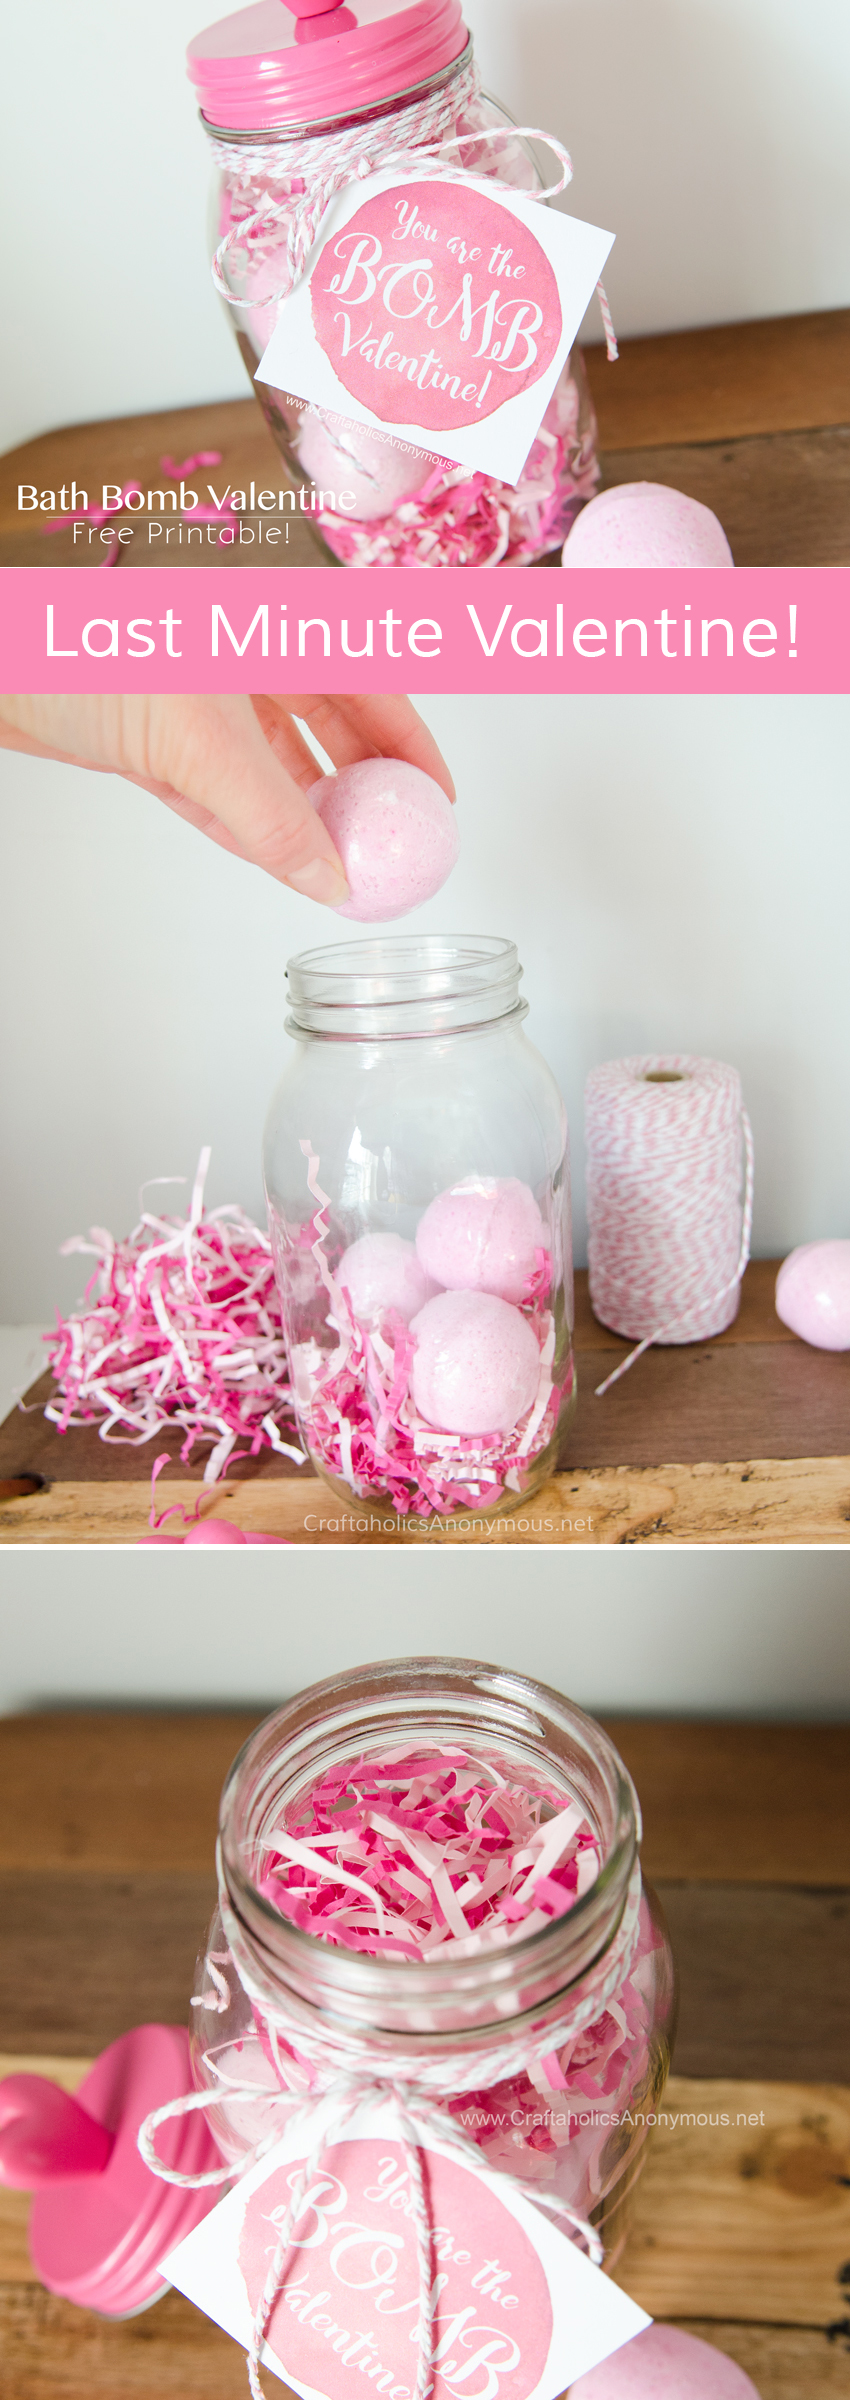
(669, 1198)
(318, 167)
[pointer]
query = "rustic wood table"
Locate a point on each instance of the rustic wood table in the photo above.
(752, 419)
(107, 1826)
(743, 1439)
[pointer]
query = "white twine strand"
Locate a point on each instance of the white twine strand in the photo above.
(415, 2118)
(318, 167)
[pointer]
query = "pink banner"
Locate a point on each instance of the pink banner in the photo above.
(517, 630)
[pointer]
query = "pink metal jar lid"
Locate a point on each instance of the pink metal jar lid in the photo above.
(302, 62)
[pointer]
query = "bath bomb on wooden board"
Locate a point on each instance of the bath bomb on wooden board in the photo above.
(380, 1272)
(395, 831)
(483, 1235)
(476, 1366)
(646, 525)
(813, 1294)
(663, 2364)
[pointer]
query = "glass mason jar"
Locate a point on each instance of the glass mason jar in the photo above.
(417, 1182)
(550, 2051)
(274, 90)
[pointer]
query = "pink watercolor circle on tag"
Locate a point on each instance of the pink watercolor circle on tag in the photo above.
(353, 2272)
(434, 304)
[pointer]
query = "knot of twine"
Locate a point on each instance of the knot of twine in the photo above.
(318, 168)
(416, 2117)
(665, 1137)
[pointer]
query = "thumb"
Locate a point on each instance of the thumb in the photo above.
(214, 754)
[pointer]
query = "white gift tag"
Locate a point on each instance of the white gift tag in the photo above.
(521, 2313)
(441, 310)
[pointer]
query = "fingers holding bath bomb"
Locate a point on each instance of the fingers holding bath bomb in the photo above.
(663, 2364)
(483, 1235)
(380, 1272)
(476, 1366)
(646, 525)
(395, 831)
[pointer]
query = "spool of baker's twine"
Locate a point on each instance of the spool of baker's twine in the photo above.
(669, 1198)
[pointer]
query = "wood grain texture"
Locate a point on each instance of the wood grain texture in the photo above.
(804, 1500)
(763, 1975)
(719, 382)
(745, 2222)
(85, 1955)
(137, 1792)
(756, 1423)
(783, 499)
(738, 411)
(54, 2352)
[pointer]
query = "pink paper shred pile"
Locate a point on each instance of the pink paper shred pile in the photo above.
(180, 1326)
(415, 1853)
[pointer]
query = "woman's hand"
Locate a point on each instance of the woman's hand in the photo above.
(236, 768)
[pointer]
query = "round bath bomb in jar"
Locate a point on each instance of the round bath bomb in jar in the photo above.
(476, 1366)
(483, 1235)
(663, 2364)
(646, 525)
(813, 1294)
(395, 831)
(382, 1272)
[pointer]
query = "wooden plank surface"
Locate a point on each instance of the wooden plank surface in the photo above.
(719, 382)
(743, 1439)
(748, 1500)
(736, 2229)
(742, 2233)
(744, 417)
(136, 1791)
(107, 1833)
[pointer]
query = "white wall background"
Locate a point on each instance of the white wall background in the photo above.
(723, 1633)
(710, 135)
(675, 872)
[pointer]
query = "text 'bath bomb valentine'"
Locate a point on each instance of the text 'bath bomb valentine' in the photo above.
(813, 1294)
(483, 1235)
(380, 1272)
(646, 525)
(476, 1366)
(395, 831)
(663, 2364)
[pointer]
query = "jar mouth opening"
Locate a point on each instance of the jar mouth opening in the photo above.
(404, 982)
(495, 1710)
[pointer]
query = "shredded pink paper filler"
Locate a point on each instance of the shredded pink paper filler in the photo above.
(180, 1326)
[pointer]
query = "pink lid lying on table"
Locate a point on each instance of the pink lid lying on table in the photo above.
(100, 2220)
(269, 66)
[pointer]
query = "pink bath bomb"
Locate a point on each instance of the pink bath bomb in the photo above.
(477, 1364)
(646, 525)
(395, 831)
(372, 475)
(663, 2364)
(380, 1272)
(813, 1294)
(482, 1236)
